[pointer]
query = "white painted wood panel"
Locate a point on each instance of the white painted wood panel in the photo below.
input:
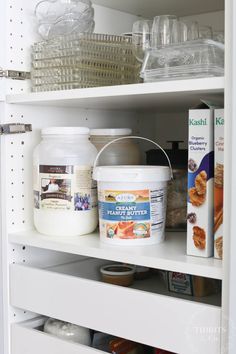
(25, 339)
(169, 255)
(173, 324)
(229, 263)
(158, 95)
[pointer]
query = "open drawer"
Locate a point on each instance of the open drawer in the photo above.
(26, 338)
(74, 293)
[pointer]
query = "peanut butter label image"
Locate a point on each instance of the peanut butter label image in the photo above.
(131, 214)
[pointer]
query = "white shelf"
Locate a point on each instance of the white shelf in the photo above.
(151, 8)
(170, 255)
(179, 94)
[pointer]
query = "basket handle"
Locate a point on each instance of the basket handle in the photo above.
(133, 137)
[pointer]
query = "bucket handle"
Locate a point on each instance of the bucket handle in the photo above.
(134, 137)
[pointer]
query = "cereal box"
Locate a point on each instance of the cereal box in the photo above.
(180, 283)
(219, 182)
(192, 285)
(200, 234)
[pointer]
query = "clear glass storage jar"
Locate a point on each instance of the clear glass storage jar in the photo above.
(65, 197)
(124, 152)
(177, 188)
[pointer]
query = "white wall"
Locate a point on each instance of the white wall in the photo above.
(112, 21)
(213, 19)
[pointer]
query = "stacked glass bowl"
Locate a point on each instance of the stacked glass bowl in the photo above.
(83, 60)
(60, 17)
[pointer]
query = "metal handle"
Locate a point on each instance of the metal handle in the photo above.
(133, 137)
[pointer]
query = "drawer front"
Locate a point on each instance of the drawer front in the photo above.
(173, 324)
(27, 340)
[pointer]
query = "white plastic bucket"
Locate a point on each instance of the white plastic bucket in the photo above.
(132, 201)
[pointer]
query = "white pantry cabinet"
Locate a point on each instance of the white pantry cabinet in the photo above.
(46, 276)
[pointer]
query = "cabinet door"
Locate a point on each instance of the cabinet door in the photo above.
(229, 281)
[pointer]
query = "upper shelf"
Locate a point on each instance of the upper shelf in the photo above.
(162, 7)
(169, 255)
(161, 96)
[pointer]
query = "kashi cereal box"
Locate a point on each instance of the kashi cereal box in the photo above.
(200, 209)
(219, 182)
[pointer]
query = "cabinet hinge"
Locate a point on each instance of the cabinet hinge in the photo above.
(15, 74)
(15, 128)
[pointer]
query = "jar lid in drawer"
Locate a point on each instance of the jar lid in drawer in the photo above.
(117, 269)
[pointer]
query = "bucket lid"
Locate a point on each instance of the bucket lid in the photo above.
(65, 131)
(112, 131)
(132, 173)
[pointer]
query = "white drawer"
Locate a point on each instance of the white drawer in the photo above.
(27, 339)
(170, 323)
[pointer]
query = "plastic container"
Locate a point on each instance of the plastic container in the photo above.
(65, 197)
(118, 274)
(116, 154)
(132, 202)
(198, 58)
(67, 331)
(177, 188)
(141, 272)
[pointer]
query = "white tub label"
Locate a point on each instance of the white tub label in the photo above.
(131, 214)
(64, 188)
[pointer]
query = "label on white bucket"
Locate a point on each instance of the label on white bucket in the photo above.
(136, 214)
(68, 188)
